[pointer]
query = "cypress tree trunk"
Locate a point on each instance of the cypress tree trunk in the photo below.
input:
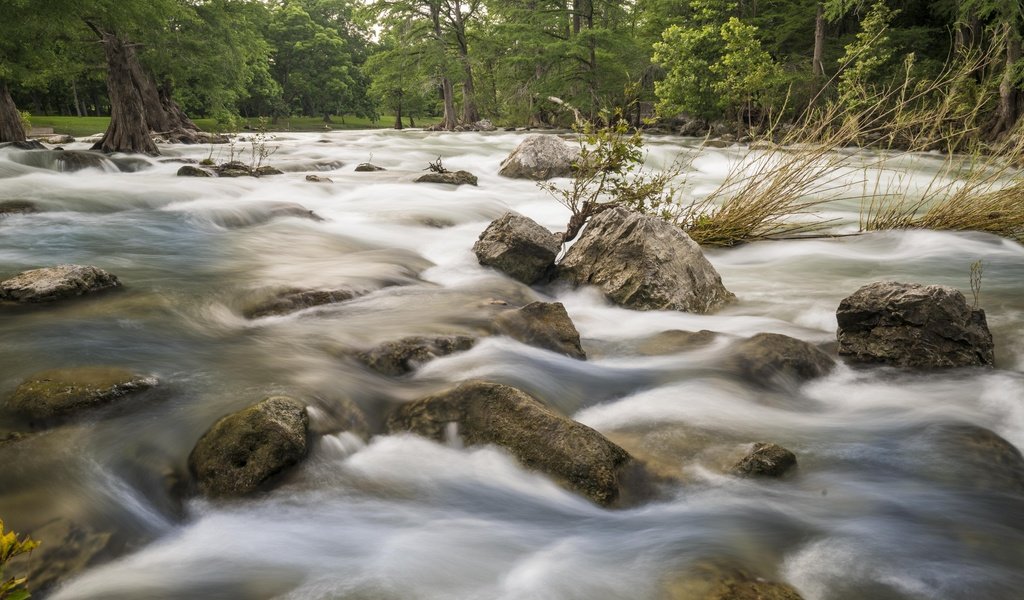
(128, 131)
(817, 63)
(1007, 92)
(449, 104)
(178, 118)
(157, 118)
(398, 114)
(10, 119)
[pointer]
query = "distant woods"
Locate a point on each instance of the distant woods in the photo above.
(691, 63)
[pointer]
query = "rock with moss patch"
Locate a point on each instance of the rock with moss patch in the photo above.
(519, 247)
(642, 262)
(56, 283)
(407, 354)
(244, 451)
(573, 454)
(449, 177)
(771, 358)
(765, 460)
(52, 396)
(544, 325)
(913, 325)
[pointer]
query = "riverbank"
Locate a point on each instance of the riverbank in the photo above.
(87, 126)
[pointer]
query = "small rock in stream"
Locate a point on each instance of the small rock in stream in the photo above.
(765, 459)
(56, 283)
(519, 247)
(450, 177)
(407, 354)
(543, 325)
(318, 179)
(368, 168)
(17, 207)
(772, 358)
(52, 396)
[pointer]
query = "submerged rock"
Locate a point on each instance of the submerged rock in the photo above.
(407, 354)
(56, 283)
(972, 457)
(712, 582)
(51, 396)
(519, 247)
(450, 177)
(675, 340)
(368, 168)
(767, 358)
(318, 179)
(544, 325)
(644, 263)
(765, 459)
(76, 160)
(191, 171)
(294, 299)
(17, 207)
(913, 325)
(66, 549)
(573, 454)
(242, 452)
(540, 157)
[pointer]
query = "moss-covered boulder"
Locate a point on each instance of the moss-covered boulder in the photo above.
(244, 451)
(573, 454)
(56, 283)
(542, 324)
(56, 395)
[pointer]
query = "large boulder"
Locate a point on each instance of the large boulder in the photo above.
(542, 324)
(913, 325)
(644, 263)
(55, 283)
(449, 177)
(573, 454)
(519, 247)
(540, 157)
(768, 358)
(242, 452)
(51, 396)
(765, 460)
(407, 354)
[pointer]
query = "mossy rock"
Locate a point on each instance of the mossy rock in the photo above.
(242, 452)
(51, 396)
(711, 582)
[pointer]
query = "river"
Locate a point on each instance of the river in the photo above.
(883, 505)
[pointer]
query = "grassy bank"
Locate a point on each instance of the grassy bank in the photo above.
(84, 126)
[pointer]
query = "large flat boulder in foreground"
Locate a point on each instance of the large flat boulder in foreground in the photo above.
(56, 283)
(913, 325)
(540, 157)
(573, 454)
(644, 263)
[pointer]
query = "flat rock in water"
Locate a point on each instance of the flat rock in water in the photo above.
(451, 177)
(292, 300)
(242, 452)
(266, 170)
(519, 247)
(56, 283)
(544, 325)
(51, 396)
(673, 341)
(368, 168)
(765, 459)
(972, 457)
(17, 207)
(407, 354)
(768, 358)
(576, 456)
(913, 325)
(540, 157)
(318, 179)
(712, 582)
(644, 263)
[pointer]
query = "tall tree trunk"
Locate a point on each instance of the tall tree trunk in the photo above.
(449, 104)
(470, 114)
(74, 96)
(817, 63)
(412, 123)
(10, 119)
(178, 118)
(398, 114)
(157, 118)
(1007, 92)
(128, 131)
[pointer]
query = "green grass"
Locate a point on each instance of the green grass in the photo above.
(84, 126)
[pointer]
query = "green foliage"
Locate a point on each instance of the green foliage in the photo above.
(748, 75)
(865, 60)
(13, 588)
(26, 121)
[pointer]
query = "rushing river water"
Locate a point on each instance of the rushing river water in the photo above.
(884, 504)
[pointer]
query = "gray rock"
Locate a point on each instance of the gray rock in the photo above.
(913, 325)
(56, 283)
(57, 139)
(368, 168)
(319, 179)
(242, 452)
(267, 170)
(765, 459)
(191, 171)
(519, 247)
(52, 396)
(971, 457)
(483, 125)
(576, 456)
(768, 358)
(542, 324)
(451, 178)
(644, 263)
(407, 354)
(294, 299)
(540, 157)
(673, 341)
(17, 207)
